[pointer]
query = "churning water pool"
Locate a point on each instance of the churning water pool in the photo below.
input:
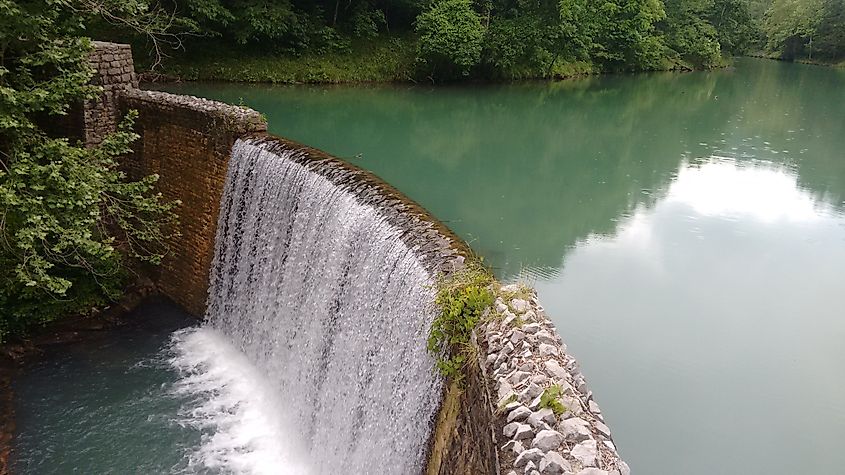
(160, 395)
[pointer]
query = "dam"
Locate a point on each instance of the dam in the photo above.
(318, 279)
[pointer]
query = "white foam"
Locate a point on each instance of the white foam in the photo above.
(241, 418)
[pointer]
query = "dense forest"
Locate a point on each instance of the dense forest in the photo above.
(505, 39)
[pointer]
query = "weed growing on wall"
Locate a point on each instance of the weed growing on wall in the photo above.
(549, 399)
(462, 299)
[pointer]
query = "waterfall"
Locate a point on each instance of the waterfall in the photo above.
(315, 283)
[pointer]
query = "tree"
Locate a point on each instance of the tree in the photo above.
(689, 33)
(790, 26)
(831, 31)
(69, 218)
(735, 25)
(623, 34)
(450, 39)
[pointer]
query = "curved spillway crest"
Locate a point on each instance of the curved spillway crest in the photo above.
(322, 295)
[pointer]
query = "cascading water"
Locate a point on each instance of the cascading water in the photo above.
(319, 290)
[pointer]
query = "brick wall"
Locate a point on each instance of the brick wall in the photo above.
(187, 142)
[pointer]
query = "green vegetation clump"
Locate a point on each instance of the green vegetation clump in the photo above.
(381, 59)
(804, 29)
(363, 40)
(461, 299)
(70, 220)
(549, 399)
(328, 41)
(450, 38)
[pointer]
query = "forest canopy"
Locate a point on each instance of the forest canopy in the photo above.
(520, 38)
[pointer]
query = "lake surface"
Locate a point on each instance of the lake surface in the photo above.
(686, 232)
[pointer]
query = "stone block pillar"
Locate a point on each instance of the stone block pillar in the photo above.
(115, 73)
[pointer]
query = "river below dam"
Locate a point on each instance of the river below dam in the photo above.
(685, 231)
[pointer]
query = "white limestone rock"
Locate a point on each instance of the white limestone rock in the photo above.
(515, 446)
(510, 429)
(553, 463)
(530, 455)
(548, 350)
(602, 428)
(504, 390)
(574, 429)
(544, 415)
(518, 377)
(523, 431)
(593, 471)
(586, 453)
(520, 413)
(510, 288)
(530, 392)
(547, 440)
(554, 370)
(545, 337)
(535, 404)
(519, 305)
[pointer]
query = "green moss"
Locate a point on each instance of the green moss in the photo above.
(462, 299)
(549, 399)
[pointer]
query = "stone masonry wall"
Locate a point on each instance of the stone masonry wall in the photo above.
(187, 141)
(115, 73)
(547, 421)
(525, 407)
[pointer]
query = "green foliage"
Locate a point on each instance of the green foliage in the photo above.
(549, 399)
(735, 25)
(488, 39)
(512, 48)
(689, 33)
(625, 35)
(450, 39)
(381, 59)
(462, 299)
(806, 29)
(366, 21)
(68, 216)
